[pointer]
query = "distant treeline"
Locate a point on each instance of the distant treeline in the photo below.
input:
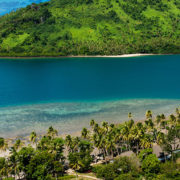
(92, 27)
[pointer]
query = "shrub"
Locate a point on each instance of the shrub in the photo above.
(124, 164)
(119, 169)
(81, 159)
(125, 177)
(170, 170)
(144, 153)
(106, 172)
(151, 164)
(96, 168)
(2, 162)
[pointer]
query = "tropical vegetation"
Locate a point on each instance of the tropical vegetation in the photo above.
(99, 150)
(91, 27)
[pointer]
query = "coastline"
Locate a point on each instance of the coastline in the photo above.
(83, 56)
(70, 117)
(118, 56)
(166, 109)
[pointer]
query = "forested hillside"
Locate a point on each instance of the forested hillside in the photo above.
(92, 27)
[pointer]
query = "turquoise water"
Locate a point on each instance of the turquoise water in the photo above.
(68, 92)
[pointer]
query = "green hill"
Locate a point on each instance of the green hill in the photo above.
(91, 27)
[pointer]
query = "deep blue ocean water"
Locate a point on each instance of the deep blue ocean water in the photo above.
(68, 92)
(86, 79)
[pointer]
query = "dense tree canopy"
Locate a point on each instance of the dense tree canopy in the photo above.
(91, 27)
(49, 156)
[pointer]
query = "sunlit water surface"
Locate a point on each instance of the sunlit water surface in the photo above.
(68, 92)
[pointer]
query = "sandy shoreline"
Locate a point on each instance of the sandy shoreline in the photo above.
(120, 56)
(25, 139)
(81, 56)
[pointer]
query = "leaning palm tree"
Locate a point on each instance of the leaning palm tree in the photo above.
(18, 144)
(172, 119)
(158, 120)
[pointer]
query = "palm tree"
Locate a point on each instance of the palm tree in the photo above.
(52, 132)
(149, 125)
(4, 171)
(105, 126)
(56, 147)
(148, 114)
(177, 111)
(96, 128)
(146, 141)
(33, 137)
(163, 116)
(13, 162)
(158, 119)
(75, 144)
(112, 126)
(76, 166)
(118, 138)
(18, 144)
(160, 138)
(99, 142)
(125, 131)
(163, 124)
(92, 123)
(172, 119)
(110, 144)
(136, 134)
(68, 142)
(85, 133)
(3, 144)
(129, 115)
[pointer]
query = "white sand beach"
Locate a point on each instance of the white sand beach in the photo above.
(115, 56)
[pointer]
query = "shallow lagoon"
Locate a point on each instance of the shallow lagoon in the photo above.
(68, 92)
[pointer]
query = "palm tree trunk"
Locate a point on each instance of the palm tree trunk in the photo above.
(76, 174)
(137, 148)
